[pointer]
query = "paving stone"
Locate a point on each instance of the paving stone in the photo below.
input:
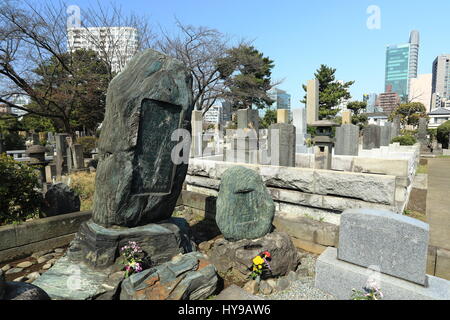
(14, 270)
(25, 264)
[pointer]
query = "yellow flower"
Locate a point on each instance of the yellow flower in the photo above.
(260, 267)
(258, 260)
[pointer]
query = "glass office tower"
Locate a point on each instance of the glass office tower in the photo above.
(397, 69)
(401, 65)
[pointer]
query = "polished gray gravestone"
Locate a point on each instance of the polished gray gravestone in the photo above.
(347, 138)
(371, 137)
(381, 247)
(395, 243)
(244, 208)
(299, 121)
(282, 144)
(385, 135)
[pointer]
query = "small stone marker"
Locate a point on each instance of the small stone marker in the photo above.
(312, 101)
(248, 118)
(371, 138)
(396, 244)
(346, 117)
(282, 116)
(282, 144)
(385, 135)
(245, 209)
(299, 121)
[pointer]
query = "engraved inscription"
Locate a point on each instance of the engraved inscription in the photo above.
(154, 147)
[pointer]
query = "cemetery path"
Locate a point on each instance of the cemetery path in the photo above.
(438, 202)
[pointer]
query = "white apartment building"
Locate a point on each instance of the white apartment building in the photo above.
(118, 44)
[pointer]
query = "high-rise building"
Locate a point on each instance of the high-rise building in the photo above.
(371, 100)
(388, 100)
(118, 44)
(282, 100)
(401, 65)
(440, 83)
(420, 90)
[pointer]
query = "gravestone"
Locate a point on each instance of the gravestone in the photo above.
(244, 209)
(299, 121)
(61, 154)
(385, 135)
(395, 130)
(281, 144)
(78, 156)
(422, 135)
(382, 248)
(197, 134)
(347, 137)
(247, 118)
(397, 244)
(312, 101)
(371, 137)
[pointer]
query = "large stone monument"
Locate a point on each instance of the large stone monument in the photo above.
(138, 179)
(382, 247)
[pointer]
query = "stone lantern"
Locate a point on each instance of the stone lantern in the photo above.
(36, 153)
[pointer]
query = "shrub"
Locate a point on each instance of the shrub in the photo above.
(406, 140)
(88, 143)
(442, 134)
(83, 183)
(19, 194)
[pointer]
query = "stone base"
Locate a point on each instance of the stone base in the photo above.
(75, 280)
(338, 278)
(186, 277)
(234, 259)
(90, 271)
(99, 247)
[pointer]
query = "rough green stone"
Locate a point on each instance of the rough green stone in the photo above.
(245, 209)
(137, 182)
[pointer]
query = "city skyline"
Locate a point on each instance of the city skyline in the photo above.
(311, 34)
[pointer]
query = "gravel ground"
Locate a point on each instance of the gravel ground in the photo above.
(302, 288)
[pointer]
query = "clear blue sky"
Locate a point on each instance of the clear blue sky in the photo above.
(300, 35)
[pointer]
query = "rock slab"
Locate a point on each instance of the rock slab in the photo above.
(395, 244)
(245, 209)
(236, 257)
(187, 277)
(99, 246)
(60, 199)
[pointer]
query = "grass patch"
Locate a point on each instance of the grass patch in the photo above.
(83, 183)
(416, 215)
(422, 169)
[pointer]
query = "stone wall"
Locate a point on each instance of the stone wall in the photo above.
(17, 241)
(321, 194)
